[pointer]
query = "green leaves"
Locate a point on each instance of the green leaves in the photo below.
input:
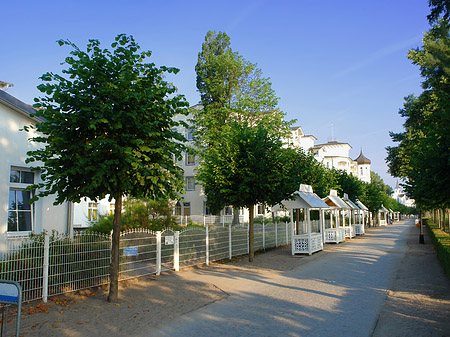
(422, 155)
(108, 122)
(246, 167)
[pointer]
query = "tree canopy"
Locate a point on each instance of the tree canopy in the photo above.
(108, 129)
(232, 89)
(422, 155)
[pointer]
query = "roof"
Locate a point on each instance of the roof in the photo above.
(18, 105)
(334, 201)
(383, 209)
(351, 204)
(331, 143)
(303, 198)
(361, 205)
(362, 160)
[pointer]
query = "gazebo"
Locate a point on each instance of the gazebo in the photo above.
(362, 216)
(382, 221)
(307, 200)
(335, 234)
(350, 231)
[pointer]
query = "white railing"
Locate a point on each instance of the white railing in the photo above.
(47, 265)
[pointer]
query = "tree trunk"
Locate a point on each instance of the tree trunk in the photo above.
(251, 234)
(448, 217)
(114, 266)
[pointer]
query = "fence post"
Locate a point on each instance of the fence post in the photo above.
(230, 249)
(158, 252)
(45, 267)
(176, 251)
(276, 234)
(287, 233)
(264, 234)
(207, 244)
(248, 233)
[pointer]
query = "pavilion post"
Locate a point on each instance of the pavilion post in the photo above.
(308, 223)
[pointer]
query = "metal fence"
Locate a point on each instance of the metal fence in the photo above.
(47, 265)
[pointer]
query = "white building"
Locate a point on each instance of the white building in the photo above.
(298, 139)
(363, 164)
(401, 196)
(335, 154)
(17, 217)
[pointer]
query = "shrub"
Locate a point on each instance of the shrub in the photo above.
(441, 241)
(155, 215)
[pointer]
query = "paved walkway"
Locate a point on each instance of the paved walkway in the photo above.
(418, 302)
(336, 293)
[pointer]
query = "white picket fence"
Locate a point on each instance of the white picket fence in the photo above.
(48, 265)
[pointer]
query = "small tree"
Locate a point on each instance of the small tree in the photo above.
(108, 129)
(248, 166)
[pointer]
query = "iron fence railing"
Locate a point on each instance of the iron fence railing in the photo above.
(49, 264)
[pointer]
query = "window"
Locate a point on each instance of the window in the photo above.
(206, 210)
(92, 211)
(190, 184)
(190, 134)
(178, 208)
(112, 208)
(260, 210)
(190, 159)
(20, 212)
(186, 208)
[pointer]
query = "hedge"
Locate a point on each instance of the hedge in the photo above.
(441, 241)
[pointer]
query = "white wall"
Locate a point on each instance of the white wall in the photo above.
(13, 148)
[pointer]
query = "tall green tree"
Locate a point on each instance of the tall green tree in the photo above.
(348, 184)
(248, 166)
(422, 156)
(232, 89)
(108, 130)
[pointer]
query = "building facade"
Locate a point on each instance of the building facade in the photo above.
(334, 154)
(19, 218)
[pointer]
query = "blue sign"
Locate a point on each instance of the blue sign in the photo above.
(9, 293)
(131, 251)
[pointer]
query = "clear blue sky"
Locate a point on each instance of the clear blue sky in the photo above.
(341, 62)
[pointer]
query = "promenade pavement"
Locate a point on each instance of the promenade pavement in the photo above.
(341, 292)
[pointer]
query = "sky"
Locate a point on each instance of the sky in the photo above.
(338, 67)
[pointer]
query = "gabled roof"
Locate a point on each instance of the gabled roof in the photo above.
(17, 105)
(334, 201)
(303, 198)
(349, 202)
(361, 205)
(383, 209)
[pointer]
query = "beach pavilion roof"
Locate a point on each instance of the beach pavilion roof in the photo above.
(350, 203)
(361, 205)
(333, 201)
(383, 209)
(303, 198)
